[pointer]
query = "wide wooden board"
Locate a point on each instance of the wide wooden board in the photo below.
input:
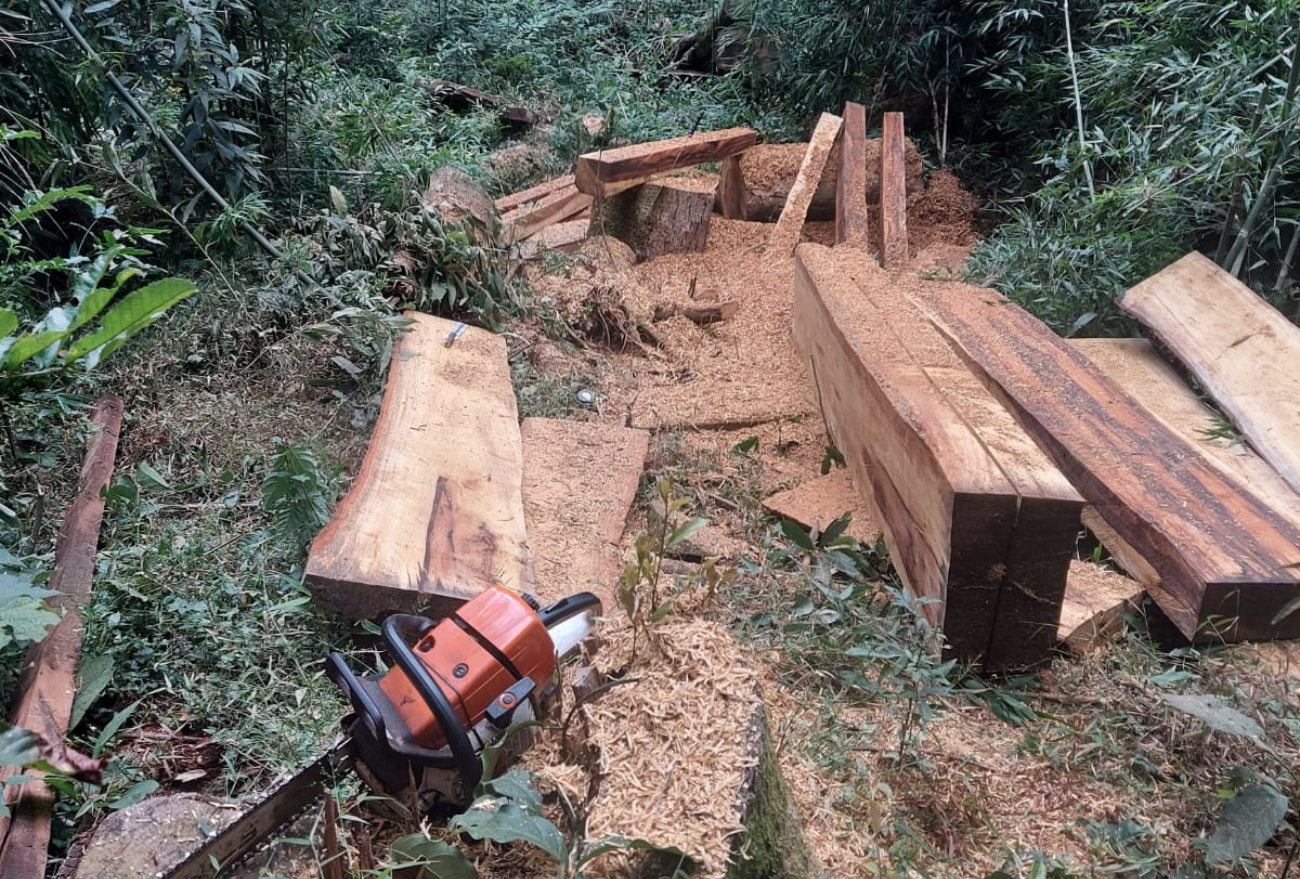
(977, 520)
(607, 171)
(1096, 599)
(532, 217)
(893, 193)
(1243, 351)
(580, 479)
(435, 515)
(533, 193)
(851, 223)
(819, 502)
(789, 226)
(1222, 555)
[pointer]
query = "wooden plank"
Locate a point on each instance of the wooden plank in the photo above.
(851, 224)
(819, 502)
(48, 682)
(893, 193)
(532, 217)
(1243, 351)
(1136, 366)
(565, 237)
(655, 219)
(637, 163)
(789, 227)
(1222, 555)
(435, 515)
(580, 479)
(1095, 602)
(507, 203)
(733, 201)
(975, 516)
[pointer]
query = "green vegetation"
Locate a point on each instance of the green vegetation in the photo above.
(252, 377)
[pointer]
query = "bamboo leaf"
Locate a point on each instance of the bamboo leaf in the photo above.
(129, 317)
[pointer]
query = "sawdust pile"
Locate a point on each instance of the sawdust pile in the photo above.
(942, 214)
(673, 751)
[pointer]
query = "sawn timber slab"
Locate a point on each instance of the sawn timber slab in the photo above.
(975, 516)
(607, 172)
(435, 515)
(789, 226)
(1242, 350)
(1224, 557)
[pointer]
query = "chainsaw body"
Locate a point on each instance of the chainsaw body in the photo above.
(455, 686)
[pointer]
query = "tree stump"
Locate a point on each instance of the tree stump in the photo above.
(654, 219)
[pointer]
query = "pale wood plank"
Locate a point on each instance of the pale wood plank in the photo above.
(605, 172)
(819, 502)
(893, 193)
(851, 223)
(536, 193)
(789, 227)
(733, 200)
(1243, 351)
(532, 217)
(435, 515)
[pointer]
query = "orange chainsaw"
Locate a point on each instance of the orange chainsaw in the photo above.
(417, 732)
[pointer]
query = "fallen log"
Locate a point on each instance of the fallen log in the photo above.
(789, 226)
(978, 521)
(435, 515)
(699, 314)
(607, 172)
(1243, 351)
(1225, 560)
(893, 193)
(654, 219)
(48, 682)
(851, 224)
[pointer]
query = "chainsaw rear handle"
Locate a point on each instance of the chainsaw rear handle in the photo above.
(399, 630)
(567, 607)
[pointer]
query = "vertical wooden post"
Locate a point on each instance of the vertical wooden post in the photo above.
(893, 193)
(732, 198)
(49, 674)
(851, 224)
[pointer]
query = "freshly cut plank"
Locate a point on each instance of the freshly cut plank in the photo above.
(1243, 351)
(819, 502)
(532, 217)
(607, 171)
(851, 224)
(655, 219)
(893, 192)
(977, 519)
(733, 200)
(580, 479)
(565, 237)
(789, 227)
(1136, 366)
(436, 514)
(532, 194)
(1224, 558)
(1095, 601)
(48, 681)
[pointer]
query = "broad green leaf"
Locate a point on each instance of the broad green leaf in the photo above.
(686, 530)
(18, 746)
(1216, 712)
(745, 446)
(148, 477)
(29, 345)
(131, 315)
(96, 673)
(836, 529)
(502, 820)
(111, 729)
(88, 279)
(613, 842)
(439, 859)
(795, 533)
(518, 786)
(26, 620)
(97, 299)
(662, 611)
(1246, 822)
(8, 321)
(134, 794)
(15, 584)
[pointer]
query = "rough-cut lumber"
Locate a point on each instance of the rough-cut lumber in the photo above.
(851, 224)
(702, 314)
(435, 515)
(819, 502)
(1224, 558)
(1094, 606)
(48, 682)
(655, 219)
(565, 237)
(580, 479)
(1243, 351)
(1136, 366)
(732, 198)
(637, 163)
(975, 516)
(789, 227)
(532, 194)
(532, 217)
(893, 193)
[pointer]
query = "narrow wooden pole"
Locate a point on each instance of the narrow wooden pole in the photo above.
(732, 198)
(851, 224)
(893, 193)
(49, 674)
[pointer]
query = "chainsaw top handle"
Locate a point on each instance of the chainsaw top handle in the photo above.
(400, 631)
